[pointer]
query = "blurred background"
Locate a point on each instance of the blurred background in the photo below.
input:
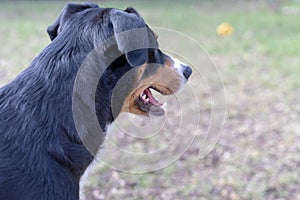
(257, 155)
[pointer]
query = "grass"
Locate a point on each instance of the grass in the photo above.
(257, 155)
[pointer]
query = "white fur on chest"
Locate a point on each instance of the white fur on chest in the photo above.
(90, 168)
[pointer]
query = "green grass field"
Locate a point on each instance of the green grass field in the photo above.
(258, 153)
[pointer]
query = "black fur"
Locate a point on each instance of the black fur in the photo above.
(41, 155)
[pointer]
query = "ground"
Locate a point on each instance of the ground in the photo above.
(257, 154)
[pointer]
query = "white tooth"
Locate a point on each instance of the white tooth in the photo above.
(147, 100)
(164, 105)
(144, 96)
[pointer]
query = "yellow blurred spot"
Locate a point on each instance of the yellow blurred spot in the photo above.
(224, 29)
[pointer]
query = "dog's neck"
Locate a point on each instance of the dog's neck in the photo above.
(51, 106)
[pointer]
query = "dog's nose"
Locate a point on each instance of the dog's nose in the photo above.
(187, 72)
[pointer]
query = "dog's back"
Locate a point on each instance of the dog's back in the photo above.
(35, 139)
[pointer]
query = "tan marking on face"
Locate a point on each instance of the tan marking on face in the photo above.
(165, 79)
(169, 62)
(156, 36)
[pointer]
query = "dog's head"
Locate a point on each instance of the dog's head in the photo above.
(136, 71)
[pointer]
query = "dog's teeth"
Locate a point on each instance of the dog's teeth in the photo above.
(147, 100)
(144, 96)
(164, 106)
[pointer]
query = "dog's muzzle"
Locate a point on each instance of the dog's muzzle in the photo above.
(182, 68)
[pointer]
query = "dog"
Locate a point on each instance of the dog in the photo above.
(42, 155)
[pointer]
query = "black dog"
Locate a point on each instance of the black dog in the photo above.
(42, 155)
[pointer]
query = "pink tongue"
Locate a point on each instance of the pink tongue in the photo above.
(151, 98)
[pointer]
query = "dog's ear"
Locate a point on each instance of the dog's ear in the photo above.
(57, 26)
(122, 22)
(132, 35)
(137, 57)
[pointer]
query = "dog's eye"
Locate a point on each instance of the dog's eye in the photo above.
(154, 56)
(151, 55)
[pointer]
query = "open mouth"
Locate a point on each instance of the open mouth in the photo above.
(148, 103)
